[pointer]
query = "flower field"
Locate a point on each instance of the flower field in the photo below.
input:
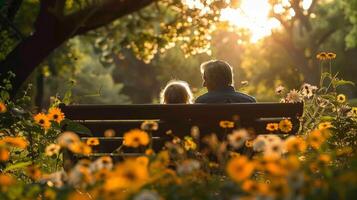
(317, 163)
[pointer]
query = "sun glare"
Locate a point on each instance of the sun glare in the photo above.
(253, 15)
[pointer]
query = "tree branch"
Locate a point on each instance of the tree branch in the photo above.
(59, 8)
(325, 36)
(300, 15)
(312, 6)
(107, 12)
(13, 8)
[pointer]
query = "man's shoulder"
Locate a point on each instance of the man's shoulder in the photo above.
(245, 97)
(234, 97)
(203, 98)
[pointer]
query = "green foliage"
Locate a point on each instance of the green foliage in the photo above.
(17, 121)
(350, 7)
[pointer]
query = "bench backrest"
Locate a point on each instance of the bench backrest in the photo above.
(180, 117)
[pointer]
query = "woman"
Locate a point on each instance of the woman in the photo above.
(176, 92)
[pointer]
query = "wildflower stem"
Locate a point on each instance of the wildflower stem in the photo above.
(118, 150)
(150, 135)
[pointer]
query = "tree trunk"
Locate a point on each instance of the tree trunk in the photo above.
(28, 55)
(52, 30)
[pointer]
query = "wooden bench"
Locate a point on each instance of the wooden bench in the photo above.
(176, 117)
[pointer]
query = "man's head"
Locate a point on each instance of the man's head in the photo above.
(216, 74)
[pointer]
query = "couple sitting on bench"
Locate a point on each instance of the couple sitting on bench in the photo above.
(217, 78)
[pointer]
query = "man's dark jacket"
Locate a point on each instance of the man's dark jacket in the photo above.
(225, 95)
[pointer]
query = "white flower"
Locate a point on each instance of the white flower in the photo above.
(259, 143)
(52, 149)
(322, 102)
(67, 138)
(55, 179)
(188, 166)
(238, 138)
(104, 162)
(274, 149)
(80, 175)
(308, 90)
(293, 96)
(280, 89)
(273, 138)
(147, 195)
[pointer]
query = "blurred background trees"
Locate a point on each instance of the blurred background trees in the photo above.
(128, 60)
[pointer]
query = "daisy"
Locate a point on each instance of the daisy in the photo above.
(237, 138)
(279, 90)
(136, 138)
(308, 90)
(52, 149)
(42, 120)
(55, 114)
(294, 96)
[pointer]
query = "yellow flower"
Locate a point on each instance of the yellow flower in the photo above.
(3, 108)
(254, 187)
(316, 139)
(127, 175)
(136, 138)
(341, 98)
(109, 133)
(15, 142)
(275, 168)
(142, 160)
(52, 149)
(55, 114)
(76, 195)
(294, 144)
(239, 168)
(272, 127)
(331, 55)
(80, 148)
(4, 154)
(49, 194)
(6, 180)
(33, 172)
(323, 159)
(93, 141)
(285, 125)
(291, 163)
(354, 111)
(189, 144)
(325, 125)
(149, 152)
(322, 56)
(226, 124)
(42, 120)
(249, 143)
(161, 161)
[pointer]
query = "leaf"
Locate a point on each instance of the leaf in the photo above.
(328, 97)
(327, 118)
(67, 97)
(343, 82)
(19, 165)
(76, 127)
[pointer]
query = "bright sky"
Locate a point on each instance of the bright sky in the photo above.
(254, 16)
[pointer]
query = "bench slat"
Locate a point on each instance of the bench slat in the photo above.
(181, 111)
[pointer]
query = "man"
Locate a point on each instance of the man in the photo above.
(218, 79)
